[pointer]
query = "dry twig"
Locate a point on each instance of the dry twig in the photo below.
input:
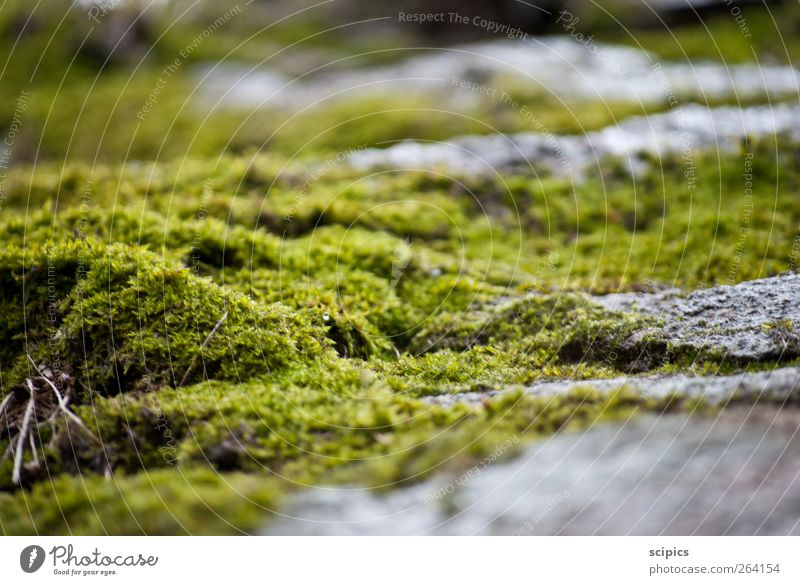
(5, 402)
(26, 421)
(62, 403)
(202, 347)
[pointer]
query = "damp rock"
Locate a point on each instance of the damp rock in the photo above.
(732, 474)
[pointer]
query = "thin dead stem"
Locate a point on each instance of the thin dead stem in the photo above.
(5, 402)
(26, 421)
(202, 347)
(62, 403)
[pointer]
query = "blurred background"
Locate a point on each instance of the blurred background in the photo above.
(136, 80)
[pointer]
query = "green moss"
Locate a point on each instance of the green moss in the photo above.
(286, 437)
(198, 501)
(121, 319)
(331, 334)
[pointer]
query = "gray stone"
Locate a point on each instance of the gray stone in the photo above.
(779, 386)
(738, 473)
(558, 65)
(681, 131)
(750, 321)
(475, 398)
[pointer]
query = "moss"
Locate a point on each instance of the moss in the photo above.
(368, 280)
(766, 32)
(518, 233)
(197, 501)
(285, 438)
(121, 319)
(551, 328)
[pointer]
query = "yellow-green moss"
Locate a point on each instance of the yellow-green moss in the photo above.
(285, 439)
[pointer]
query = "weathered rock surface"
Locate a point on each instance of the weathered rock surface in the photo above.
(676, 474)
(750, 321)
(753, 321)
(561, 66)
(778, 386)
(678, 132)
(736, 474)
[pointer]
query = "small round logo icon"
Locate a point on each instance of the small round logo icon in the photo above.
(31, 558)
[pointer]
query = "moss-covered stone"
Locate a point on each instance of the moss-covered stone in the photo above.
(285, 439)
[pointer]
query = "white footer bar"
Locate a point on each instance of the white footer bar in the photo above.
(399, 560)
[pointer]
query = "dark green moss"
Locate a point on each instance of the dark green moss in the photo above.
(121, 319)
